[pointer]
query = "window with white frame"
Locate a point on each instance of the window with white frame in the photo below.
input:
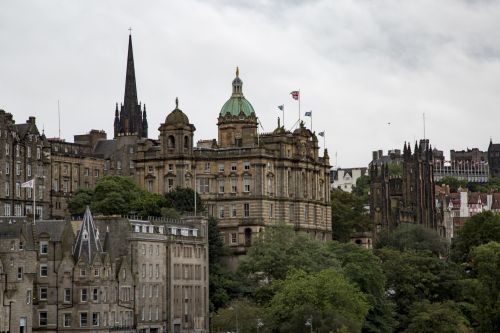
(42, 318)
(67, 319)
(83, 319)
(20, 272)
(221, 212)
(246, 184)
(246, 210)
(44, 247)
(43, 293)
(234, 185)
(233, 211)
(220, 182)
(221, 167)
(233, 166)
(207, 167)
(83, 295)
(44, 270)
(203, 185)
(67, 295)
(233, 238)
(246, 166)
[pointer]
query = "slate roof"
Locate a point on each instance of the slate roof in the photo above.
(87, 243)
(53, 228)
(105, 148)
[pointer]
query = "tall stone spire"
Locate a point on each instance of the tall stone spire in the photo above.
(130, 121)
(130, 99)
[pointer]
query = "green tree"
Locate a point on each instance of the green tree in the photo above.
(416, 276)
(240, 316)
(278, 249)
(363, 268)
(445, 317)
(453, 183)
(348, 215)
(327, 298)
(80, 200)
(149, 204)
(413, 237)
(115, 195)
(479, 229)
(395, 169)
(362, 188)
(486, 266)
(182, 200)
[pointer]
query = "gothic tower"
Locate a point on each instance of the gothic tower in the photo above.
(129, 118)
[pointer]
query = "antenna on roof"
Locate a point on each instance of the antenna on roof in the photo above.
(59, 118)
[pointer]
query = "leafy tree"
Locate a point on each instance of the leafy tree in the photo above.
(326, 297)
(416, 276)
(486, 265)
(444, 317)
(182, 200)
(363, 268)
(115, 195)
(240, 316)
(453, 183)
(413, 237)
(80, 200)
(149, 204)
(362, 188)
(492, 186)
(279, 249)
(395, 169)
(479, 229)
(348, 215)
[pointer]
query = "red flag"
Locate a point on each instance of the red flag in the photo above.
(295, 94)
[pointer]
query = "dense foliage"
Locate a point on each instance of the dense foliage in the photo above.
(349, 215)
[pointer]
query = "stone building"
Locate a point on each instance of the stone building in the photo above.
(73, 166)
(494, 158)
(24, 155)
(248, 180)
(404, 192)
(102, 275)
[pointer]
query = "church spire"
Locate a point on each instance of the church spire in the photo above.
(130, 99)
(131, 120)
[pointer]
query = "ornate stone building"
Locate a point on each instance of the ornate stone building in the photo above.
(248, 180)
(24, 155)
(402, 190)
(102, 275)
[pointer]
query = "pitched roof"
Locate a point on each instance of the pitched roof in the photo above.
(53, 228)
(105, 148)
(87, 243)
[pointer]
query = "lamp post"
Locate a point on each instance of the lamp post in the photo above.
(309, 323)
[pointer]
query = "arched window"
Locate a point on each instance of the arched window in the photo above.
(248, 237)
(171, 141)
(186, 142)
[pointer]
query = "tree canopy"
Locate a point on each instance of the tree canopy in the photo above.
(477, 230)
(349, 215)
(453, 183)
(408, 236)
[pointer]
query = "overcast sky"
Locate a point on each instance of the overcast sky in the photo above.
(359, 65)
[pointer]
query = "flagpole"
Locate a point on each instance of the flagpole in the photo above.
(299, 105)
(194, 186)
(311, 120)
(283, 111)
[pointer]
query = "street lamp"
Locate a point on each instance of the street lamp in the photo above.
(259, 324)
(309, 323)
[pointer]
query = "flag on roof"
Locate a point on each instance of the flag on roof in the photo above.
(308, 114)
(281, 107)
(29, 183)
(321, 133)
(295, 94)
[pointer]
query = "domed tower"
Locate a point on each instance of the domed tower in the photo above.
(237, 121)
(176, 134)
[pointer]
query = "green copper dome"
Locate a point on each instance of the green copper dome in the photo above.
(237, 103)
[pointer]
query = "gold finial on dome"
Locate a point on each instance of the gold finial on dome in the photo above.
(176, 102)
(237, 71)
